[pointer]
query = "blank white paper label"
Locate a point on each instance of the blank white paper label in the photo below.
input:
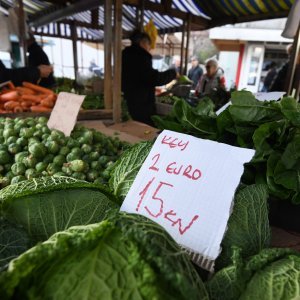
(64, 114)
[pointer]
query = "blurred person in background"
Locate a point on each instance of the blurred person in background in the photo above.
(139, 78)
(212, 80)
(195, 71)
(272, 71)
(38, 57)
(30, 74)
(278, 83)
(176, 64)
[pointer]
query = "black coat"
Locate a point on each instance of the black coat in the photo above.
(17, 76)
(195, 75)
(37, 56)
(138, 82)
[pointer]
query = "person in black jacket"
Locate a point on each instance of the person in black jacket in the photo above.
(195, 71)
(31, 74)
(139, 78)
(38, 57)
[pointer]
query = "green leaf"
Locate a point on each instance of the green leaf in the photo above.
(196, 121)
(271, 274)
(269, 136)
(245, 108)
(43, 206)
(279, 280)
(13, 241)
(127, 167)
(113, 260)
(229, 282)
(290, 109)
(167, 123)
(248, 225)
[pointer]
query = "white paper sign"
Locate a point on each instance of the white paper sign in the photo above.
(270, 96)
(187, 185)
(64, 114)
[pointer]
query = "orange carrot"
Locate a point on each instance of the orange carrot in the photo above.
(10, 96)
(39, 108)
(32, 98)
(10, 105)
(25, 91)
(47, 103)
(26, 103)
(18, 109)
(37, 88)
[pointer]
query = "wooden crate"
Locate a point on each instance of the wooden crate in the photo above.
(89, 114)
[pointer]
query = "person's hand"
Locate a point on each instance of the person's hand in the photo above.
(45, 70)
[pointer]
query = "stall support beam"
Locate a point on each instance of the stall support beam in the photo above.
(117, 104)
(292, 66)
(188, 34)
(182, 45)
(75, 52)
(22, 33)
(142, 13)
(108, 97)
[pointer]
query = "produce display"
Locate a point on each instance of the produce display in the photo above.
(128, 256)
(29, 149)
(271, 128)
(108, 260)
(62, 235)
(28, 97)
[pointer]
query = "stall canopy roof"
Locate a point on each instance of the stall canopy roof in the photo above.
(168, 15)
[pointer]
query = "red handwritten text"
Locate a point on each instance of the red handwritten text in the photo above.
(188, 171)
(160, 208)
(174, 142)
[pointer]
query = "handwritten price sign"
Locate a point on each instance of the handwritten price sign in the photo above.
(64, 114)
(187, 185)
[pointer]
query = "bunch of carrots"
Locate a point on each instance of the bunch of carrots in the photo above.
(28, 97)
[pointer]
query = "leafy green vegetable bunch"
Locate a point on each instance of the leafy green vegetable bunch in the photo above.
(271, 128)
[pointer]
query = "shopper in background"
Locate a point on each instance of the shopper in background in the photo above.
(38, 57)
(139, 78)
(31, 74)
(195, 72)
(176, 63)
(278, 83)
(272, 71)
(212, 80)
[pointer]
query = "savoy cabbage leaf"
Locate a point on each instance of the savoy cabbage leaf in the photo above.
(13, 241)
(127, 167)
(43, 206)
(123, 257)
(248, 226)
(271, 274)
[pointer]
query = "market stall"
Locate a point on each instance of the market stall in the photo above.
(196, 199)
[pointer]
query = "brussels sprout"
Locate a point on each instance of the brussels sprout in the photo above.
(18, 169)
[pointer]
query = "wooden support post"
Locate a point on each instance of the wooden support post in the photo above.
(75, 52)
(137, 17)
(142, 13)
(292, 65)
(22, 33)
(108, 98)
(188, 31)
(182, 46)
(117, 107)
